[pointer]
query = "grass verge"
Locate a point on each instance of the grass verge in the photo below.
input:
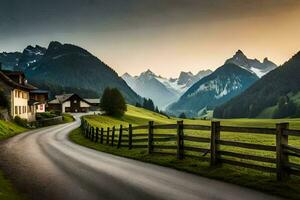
(7, 191)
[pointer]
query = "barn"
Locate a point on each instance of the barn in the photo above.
(71, 103)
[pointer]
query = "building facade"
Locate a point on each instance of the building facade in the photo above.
(72, 103)
(18, 93)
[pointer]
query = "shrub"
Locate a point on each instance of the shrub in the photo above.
(182, 116)
(113, 103)
(21, 122)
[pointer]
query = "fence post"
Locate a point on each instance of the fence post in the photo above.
(130, 136)
(86, 131)
(112, 136)
(93, 134)
(281, 157)
(101, 136)
(90, 132)
(97, 134)
(180, 140)
(214, 146)
(150, 137)
(120, 137)
(107, 136)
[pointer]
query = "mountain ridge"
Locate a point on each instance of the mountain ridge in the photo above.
(266, 92)
(224, 83)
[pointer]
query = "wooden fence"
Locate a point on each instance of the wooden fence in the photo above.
(125, 137)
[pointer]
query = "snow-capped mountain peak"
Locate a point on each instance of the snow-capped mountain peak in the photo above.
(171, 88)
(252, 65)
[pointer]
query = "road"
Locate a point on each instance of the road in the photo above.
(44, 164)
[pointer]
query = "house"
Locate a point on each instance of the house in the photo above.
(72, 103)
(19, 93)
(40, 98)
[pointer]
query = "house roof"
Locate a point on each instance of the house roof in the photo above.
(59, 99)
(94, 101)
(54, 101)
(37, 91)
(63, 97)
(14, 84)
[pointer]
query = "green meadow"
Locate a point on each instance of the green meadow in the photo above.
(246, 177)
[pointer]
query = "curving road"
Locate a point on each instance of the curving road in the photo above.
(44, 164)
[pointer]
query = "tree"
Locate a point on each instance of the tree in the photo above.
(285, 108)
(3, 100)
(182, 116)
(156, 109)
(113, 103)
(138, 105)
(148, 104)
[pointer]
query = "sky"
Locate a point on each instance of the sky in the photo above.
(165, 36)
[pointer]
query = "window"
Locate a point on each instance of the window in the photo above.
(19, 94)
(16, 93)
(20, 110)
(16, 110)
(75, 101)
(25, 108)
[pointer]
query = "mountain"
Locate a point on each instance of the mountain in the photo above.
(9, 60)
(161, 90)
(277, 94)
(147, 85)
(226, 82)
(252, 65)
(29, 57)
(66, 68)
(20, 61)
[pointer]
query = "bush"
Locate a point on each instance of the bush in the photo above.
(21, 122)
(182, 116)
(113, 103)
(45, 115)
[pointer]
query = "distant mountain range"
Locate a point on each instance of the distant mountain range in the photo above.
(252, 65)
(276, 95)
(66, 68)
(228, 81)
(161, 90)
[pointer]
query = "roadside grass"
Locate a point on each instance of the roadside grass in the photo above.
(9, 129)
(7, 191)
(68, 118)
(246, 177)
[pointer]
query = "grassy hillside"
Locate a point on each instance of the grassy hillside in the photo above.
(237, 175)
(9, 129)
(7, 191)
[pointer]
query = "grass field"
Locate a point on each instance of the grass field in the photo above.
(242, 176)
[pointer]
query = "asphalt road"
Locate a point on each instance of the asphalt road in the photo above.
(44, 164)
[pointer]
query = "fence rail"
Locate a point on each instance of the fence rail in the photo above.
(175, 144)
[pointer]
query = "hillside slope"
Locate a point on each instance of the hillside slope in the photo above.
(68, 68)
(279, 87)
(226, 82)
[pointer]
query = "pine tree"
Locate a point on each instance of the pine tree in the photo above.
(182, 116)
